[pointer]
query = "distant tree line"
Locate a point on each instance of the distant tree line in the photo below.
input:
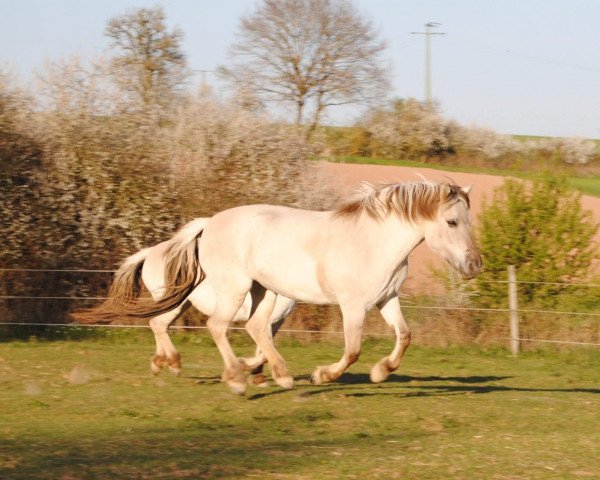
(406, 129)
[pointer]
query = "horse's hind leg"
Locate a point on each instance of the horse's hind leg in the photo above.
(390, 310)
(259, 328)
(217, 324)
(283, 307)
(166, 353)
(256, 363)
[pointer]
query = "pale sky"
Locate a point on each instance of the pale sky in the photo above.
(517, 66)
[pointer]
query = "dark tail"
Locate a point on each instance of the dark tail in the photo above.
(123, 293)
(182, 274)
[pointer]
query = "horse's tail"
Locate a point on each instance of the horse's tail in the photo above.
(124, 291)
(182, 273)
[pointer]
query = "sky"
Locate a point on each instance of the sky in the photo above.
(529, 67)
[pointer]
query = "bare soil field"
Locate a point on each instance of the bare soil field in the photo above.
(423, 261)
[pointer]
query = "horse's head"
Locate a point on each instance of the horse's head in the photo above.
(450, 234)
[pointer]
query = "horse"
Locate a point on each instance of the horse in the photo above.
(149, 266)
(355, 256)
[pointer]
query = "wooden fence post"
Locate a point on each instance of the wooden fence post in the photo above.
(513, 306)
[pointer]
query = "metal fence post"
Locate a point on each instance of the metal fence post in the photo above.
(513, 306)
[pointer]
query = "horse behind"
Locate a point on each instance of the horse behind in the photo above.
(158, 267)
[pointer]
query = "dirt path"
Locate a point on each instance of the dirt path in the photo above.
(422, 260)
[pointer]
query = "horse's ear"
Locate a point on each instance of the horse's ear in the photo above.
(446, 191)
(467, 189)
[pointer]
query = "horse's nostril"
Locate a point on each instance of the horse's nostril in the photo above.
(472, 266)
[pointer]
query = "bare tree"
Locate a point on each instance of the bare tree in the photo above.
(150, 61)
(311, 53)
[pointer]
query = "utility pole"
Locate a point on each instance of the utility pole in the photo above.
(204, 89)
(428, 33)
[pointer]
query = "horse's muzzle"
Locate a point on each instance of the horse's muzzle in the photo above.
(472, 267)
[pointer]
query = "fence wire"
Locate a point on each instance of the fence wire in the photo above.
(300, 331)
(281, 330)
(416, 307)
(83, 270)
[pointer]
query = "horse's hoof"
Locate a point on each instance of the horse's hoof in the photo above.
(237, 387)
(154, 368)
(175, 370)
(380, 372)
(258, 380)
(156, 364)
(317, 377)
(285, 382)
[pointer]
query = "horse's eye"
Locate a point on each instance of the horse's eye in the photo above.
(452, 223)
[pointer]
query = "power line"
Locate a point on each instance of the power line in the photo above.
(496, 51)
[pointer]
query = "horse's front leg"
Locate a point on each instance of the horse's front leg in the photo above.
(259, 328)
(353, 317)
(391, 313)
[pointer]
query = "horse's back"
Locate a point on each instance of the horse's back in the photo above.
(253, 226)
(280, 247)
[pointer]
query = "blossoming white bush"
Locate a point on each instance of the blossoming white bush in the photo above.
(409, 130)
(489, 144)
(238, 156)
(112, 175)
(577, 150)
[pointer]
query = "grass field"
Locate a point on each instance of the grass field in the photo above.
(90, 409)
(588, 185)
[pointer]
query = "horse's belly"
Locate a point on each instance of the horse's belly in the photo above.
(304, 288)
(305, 295)
(297, 280)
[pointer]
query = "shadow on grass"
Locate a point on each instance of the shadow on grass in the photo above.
(353, 378)
(191, 452)
(440, 390)
(348, 383)
(205, 380)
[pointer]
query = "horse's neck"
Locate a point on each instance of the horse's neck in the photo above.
(390, 240)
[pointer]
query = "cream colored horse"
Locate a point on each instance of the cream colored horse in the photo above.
(355, 257)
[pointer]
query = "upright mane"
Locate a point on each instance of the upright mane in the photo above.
(411, 201)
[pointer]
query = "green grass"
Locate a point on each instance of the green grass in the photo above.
(90, 409)
(588, 185)
(433, 166)
(526, 138)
